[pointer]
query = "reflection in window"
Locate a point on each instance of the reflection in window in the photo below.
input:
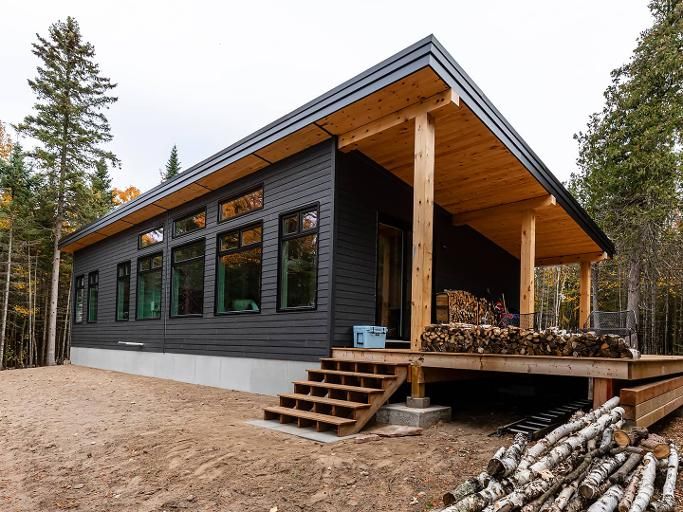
(80, 299)
(298, 259)
(93, 287)
(189, 223)
(240, 205)
(151, 237)
(122, 290)
(148, 293)
(238, 286)
(187, 281)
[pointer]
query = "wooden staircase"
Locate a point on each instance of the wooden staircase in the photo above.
(342, 395)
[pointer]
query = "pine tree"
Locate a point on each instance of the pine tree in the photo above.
(630, 155)
(172, 166)
(101, 194)
(70, 127)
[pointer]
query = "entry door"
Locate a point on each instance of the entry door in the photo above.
(390, 279)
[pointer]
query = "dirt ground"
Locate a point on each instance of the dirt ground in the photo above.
(92, 440)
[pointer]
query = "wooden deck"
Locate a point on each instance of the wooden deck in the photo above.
(596, 367)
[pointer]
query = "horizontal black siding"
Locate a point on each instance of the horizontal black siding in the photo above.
(463, 259)
(298, 181)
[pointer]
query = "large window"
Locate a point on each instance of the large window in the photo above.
(298, 273)
(189, 223)
(238, 285)
(93, 286)
(80, 299)
(122, 290)
(236, 206)
(148, 293)
(187, 281)
(151, 237)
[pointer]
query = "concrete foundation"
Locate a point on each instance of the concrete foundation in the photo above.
(266, 376)
(401, 414)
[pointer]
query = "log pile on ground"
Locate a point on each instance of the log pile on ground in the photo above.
(489, 339)
(579, 466)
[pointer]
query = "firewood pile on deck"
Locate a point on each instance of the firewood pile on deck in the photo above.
(490, 339)
(588, 464)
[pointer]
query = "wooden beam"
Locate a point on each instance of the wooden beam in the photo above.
(590, 257)
(505, 210)
(527, 260)
(584, 293)
(417, 381)
(603, 390)
(423, 220)
(348, 140)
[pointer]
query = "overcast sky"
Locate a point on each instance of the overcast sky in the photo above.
(204, 74)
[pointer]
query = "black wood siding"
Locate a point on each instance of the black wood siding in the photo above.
(463, 259)
(304, 179)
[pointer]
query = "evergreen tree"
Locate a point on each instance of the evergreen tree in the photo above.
(101, 194)
(70, 127)
(630, 155)
(172, 168)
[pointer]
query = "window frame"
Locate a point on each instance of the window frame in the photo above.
(140, 233)
(151, 256)
(116, 296)
(299, 234)
(232, 197)
(80, 277)
(220, 253)
(96, 287)
(175, 236)
(170, 282)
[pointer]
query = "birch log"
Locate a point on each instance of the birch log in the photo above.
(646, 488)
(469, 486)
(631, 437)
(502, 466)
(599, 473)
(631, 490)
(668, 501)
(565, 495)
(657, 445)
(621, 475)
(608, 501)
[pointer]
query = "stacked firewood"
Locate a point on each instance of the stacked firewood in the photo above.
(489, 339)
(468, 308)
(588, 464)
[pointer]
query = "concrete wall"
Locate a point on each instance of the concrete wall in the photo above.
(266, 376)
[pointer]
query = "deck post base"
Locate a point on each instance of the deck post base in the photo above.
(400, 414)
(418, 402)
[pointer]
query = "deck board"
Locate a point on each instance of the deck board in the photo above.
(648, 366)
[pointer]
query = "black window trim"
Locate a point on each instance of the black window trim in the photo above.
(96, 273)
(232, 197)
(76, 288)
(116, 296)
(203, 210)
(140, 233)
(170, 281)
(219, 253)
(281, 237)
(150, 255)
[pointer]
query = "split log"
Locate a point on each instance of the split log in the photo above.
(503, 465)
(630, 438)
(600, 473)
(622, 474)
(608, 501)
(646, 487)
(469, 486)
(631, 490)
(657, 445)
(668, 500)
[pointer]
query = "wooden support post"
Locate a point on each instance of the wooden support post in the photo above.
(584, 294)
(423, 219)
(527, 259)
(603, 390)
(417, 381)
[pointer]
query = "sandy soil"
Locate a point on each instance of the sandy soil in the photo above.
(92, 440)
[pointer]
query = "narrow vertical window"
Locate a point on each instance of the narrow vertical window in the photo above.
(238, 281)
(93, 288)
(79, 299)
(298, 272)
(187, 281)
(148, 292)
(122, 290)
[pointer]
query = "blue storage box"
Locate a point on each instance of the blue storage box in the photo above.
(369, 336)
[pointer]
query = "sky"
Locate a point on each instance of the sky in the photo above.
(203, 74)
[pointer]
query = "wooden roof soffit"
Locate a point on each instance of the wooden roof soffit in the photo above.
(590, 257)
(505, 210)
(347, 141)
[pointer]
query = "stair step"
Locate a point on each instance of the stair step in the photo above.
(340, 387)
(313, 416)
(324, 400)
(361, 361)
(352, 374)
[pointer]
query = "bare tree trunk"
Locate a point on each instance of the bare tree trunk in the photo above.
(43, 349)
(633, 300)
(5, 305)
(595, 269)
(54, 295)
(30, 308)
(67, 323)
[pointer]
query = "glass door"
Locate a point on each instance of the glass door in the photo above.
(390, 281)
